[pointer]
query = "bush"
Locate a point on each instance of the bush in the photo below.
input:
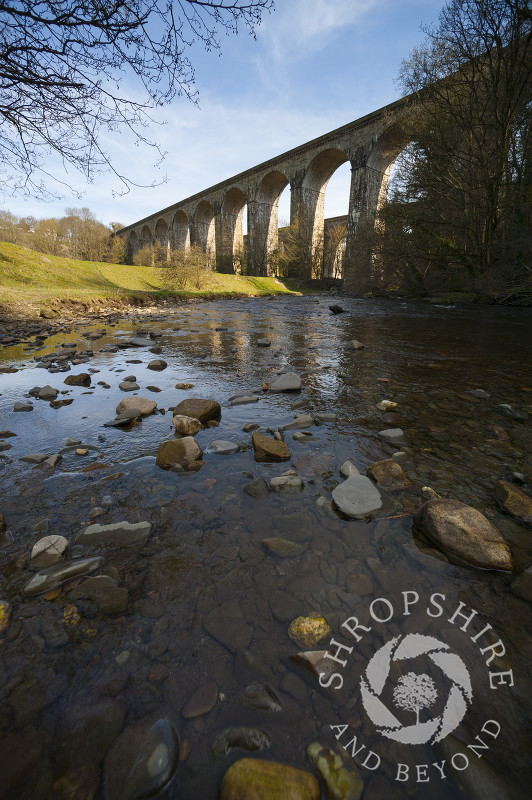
(184, 267)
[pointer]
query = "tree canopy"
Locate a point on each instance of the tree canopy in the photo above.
(65, 65)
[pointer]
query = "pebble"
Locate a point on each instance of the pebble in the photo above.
(287, 484)
(22, 407)
(128, 386)
(283, 547)
(47, 551)
(142, 761)
(5, 615)
(395, 436)
(201, 702)
(257, 779)
(260, 696)
(308, 631)
(222, 447)
(143, 404)
(103, 590)
(243, 737)
(303, 421)
(342, 779)
(357, 497)
(348, 468)
(157, 364)
(34, 458)
(258, 489)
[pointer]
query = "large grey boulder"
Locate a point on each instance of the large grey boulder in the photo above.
(463, 532)
(357, 497)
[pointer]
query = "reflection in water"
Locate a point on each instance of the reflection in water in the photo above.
(207, 602)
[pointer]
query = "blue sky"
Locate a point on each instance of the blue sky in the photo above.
(315, 65)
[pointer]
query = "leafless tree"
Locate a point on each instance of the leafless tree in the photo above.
(62, 70)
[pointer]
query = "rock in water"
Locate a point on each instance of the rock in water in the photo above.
(186, 426)
(178, 451)
(268, 449)
(289, 382)
(246, 738)
(143, 404)
(336, 309)
(204, 410)
(514, 501)
(222, 447)
(388, 475)
(116, 533)
(357, 497)
(141, 762)
(343, 783)
(54, 576)
(83, 379)
(47, 551)
(255, 779)
(308, 631)
(157, 364)
(201, 702)
(462, 531)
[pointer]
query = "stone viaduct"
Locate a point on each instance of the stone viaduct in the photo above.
(213, 218)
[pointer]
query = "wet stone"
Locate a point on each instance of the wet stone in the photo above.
(54, 576)
(357, 497)
(521, 586)
(288, 382)
(228, 625)
(34, 458)
(158, 364)
(285, 606)
(308, 631)
(5, 615)
(201, 702)
(388, 475)
(348, 468)
(516, 502)
(242, 737)
(47, 551)
(257, 489)
(83, 379)
(243, 399)
(394, 436)
(462, 531)
(261, 696)
(268, 449)
(144, 405)
(141, 762)
(128, 386)
(186, 426)
(222, 447)
(251, 779)
(283, 547)
(342, 779)
(183, 452)
(287, 484)
(119, 534)
(103, 590)
(198, 408)
(301, 422)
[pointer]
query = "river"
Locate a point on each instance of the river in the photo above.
(205, 604)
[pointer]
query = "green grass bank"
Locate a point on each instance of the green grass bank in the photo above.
(33, 284)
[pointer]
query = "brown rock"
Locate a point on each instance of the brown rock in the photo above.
(83, 379)
(388, 475)
(178, 451)
(255, 779)
(187, 426)
(514, 501)
(462, 531)
(204, 410)
(268, 449)
(142, 404)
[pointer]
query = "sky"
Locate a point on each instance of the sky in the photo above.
(315, 65)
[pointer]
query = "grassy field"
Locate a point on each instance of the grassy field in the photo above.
(31, 282)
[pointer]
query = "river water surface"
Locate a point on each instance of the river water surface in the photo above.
(209, 604)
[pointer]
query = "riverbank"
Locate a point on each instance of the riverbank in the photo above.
(36, 285)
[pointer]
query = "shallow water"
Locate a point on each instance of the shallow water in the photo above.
(65, 700)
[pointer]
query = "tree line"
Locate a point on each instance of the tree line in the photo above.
(76, 235)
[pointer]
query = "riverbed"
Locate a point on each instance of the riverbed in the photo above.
(205, 601)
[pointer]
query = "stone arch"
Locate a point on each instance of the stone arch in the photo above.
(161, 233)
(383, 155)
(204, 235)
(230, 233)
(310, 205)
(146, 237)
(263, 234)
(181, 230)
(132, 245)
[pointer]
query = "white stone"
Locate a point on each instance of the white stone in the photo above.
(348, 468)
(393, 435)
(356, 497)
(303, 421)
(47, 551)
(289, 382)
(386, 405)
(288, 484)
(354, 345)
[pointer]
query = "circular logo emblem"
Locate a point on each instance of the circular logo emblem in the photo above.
(414, 692)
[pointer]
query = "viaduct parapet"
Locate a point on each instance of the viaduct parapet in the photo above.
(213, 218)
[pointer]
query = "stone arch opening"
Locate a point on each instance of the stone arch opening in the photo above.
(162, 235)
(133, 245)
(204, 234)
(310, 207)
(231, 256)
(181, 230)
(264, 238)
(146, 237)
